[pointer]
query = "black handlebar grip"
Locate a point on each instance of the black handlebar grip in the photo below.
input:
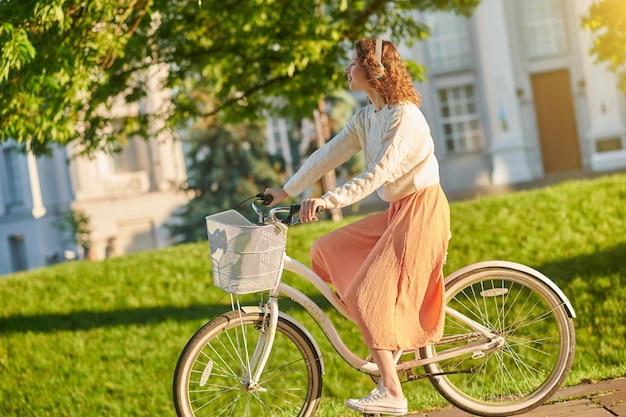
(267, 199)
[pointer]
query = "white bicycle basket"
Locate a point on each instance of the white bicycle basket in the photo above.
(246, 257)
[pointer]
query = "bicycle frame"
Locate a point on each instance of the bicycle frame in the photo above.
(263, 349)
(479, 342)
(508, 341)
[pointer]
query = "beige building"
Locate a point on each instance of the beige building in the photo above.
(513, 95)
(128, 198)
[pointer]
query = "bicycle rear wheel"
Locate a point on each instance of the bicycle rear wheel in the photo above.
(211, 377)
(537, 354)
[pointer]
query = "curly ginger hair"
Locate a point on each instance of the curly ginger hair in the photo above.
(394, 83)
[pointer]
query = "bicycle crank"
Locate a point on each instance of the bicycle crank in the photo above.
(411, 377)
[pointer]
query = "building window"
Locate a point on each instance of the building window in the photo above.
(277, 131)
(14, 182)
(544, 28)
(449, 48)
(17, 250)
(460, 121)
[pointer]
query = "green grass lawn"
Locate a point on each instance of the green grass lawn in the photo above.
(102, 339)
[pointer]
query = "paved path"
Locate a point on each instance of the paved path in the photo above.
(602, 399)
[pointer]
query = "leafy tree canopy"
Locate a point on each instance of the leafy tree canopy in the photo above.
(606, 20)
(63, 60)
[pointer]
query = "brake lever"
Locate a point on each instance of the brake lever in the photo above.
(295, 209)
(266, 198)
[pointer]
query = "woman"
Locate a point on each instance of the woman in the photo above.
(386, 267)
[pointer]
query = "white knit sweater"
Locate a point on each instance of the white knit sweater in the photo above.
(398, 150)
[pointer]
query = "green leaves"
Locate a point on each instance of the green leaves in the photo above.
(63, 61)
(606, 20)
(16, 52)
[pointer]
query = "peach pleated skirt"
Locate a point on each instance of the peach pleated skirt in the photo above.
(388, 270)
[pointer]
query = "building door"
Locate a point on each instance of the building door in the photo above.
(556, 121)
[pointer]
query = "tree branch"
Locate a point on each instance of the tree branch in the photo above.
(249, 92)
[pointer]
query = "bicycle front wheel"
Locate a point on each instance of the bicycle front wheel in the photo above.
(212, 374)
(537, 354)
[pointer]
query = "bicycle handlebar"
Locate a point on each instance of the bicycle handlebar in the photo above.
(272, 216)
(266, 198)
(292, 210)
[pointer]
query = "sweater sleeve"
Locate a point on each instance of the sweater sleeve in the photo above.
(402, 146)
(335, 152)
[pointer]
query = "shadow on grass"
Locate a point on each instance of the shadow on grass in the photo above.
(589, 266)
(597, 264)
(87, 320)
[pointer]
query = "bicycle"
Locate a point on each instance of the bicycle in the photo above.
(508, 342)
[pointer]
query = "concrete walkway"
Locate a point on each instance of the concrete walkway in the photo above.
(601, 399)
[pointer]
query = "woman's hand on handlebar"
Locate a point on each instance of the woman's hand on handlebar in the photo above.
(278, 195)
(310, 207)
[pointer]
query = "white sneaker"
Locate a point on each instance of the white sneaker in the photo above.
(379, 401)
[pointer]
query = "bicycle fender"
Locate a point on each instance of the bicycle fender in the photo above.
(287, 317)
(522, 268)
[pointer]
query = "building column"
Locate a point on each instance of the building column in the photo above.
(606, 135)
(38, 209)
(507, 148)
